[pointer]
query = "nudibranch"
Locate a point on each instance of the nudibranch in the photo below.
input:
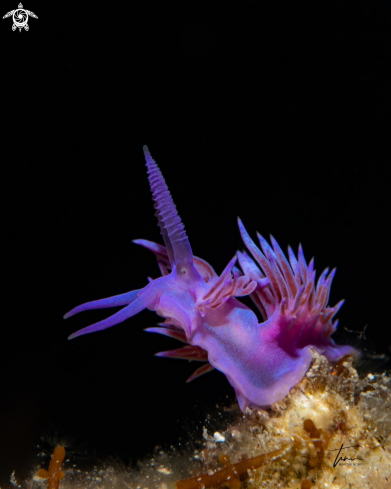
(262, 361)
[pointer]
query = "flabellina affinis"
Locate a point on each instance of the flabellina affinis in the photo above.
(262, 361)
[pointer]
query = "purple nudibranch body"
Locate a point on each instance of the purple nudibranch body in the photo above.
(262, 361)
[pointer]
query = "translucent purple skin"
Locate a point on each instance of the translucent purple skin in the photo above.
(263, 361)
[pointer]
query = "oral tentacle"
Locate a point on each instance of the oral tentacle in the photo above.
(144, 299)
(116, 300)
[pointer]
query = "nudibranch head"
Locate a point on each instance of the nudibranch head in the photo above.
(261, 361)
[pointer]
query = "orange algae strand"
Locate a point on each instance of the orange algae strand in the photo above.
(231, 473)
(54, 474)
(339, 368)
(306, 484)
(311, 429)
(319, 439)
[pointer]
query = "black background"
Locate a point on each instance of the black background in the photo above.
(277, 112)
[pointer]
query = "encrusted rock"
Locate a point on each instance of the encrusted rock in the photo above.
(333, 430)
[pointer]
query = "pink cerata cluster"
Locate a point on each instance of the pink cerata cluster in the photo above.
(262, 361)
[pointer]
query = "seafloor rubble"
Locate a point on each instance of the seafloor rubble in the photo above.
(333, 430)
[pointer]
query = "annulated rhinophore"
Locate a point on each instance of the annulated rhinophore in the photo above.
(262, 361)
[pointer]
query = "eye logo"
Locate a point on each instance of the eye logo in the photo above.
(20, 17)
